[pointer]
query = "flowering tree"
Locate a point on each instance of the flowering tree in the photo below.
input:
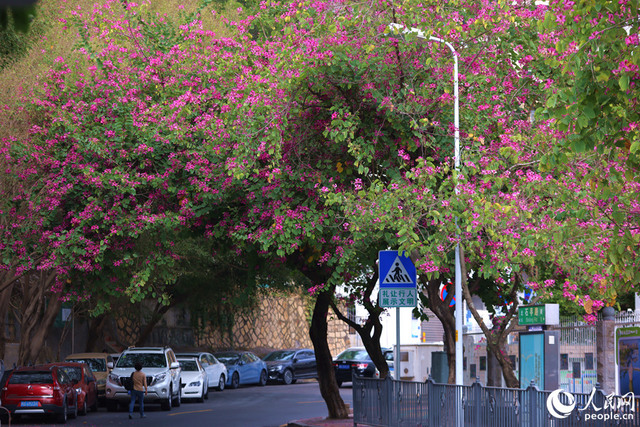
(587, 64)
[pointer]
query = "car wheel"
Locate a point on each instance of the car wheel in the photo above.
(74, 414)
(178, 400)
(235, 380)
(263, 378)
(221, 383)
(112, 405)
(84, 410)
(287, 376)
(64, 416)
(166, 405)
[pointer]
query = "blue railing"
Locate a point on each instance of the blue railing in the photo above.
(391, 403)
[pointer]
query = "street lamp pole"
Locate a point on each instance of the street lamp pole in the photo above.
(397, 28)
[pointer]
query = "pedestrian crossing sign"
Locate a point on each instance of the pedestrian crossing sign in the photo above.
(397, 280)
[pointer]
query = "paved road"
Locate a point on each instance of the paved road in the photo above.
(270, 406)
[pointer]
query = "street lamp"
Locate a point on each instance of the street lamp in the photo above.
(397, 28)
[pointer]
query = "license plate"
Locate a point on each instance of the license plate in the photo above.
(343, 367)
(30, 403)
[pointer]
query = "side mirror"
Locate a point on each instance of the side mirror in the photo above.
(241, 362)
(110, 365)
(295, 360)
(174, 365)
(183, 385)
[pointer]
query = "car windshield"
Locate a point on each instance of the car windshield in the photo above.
(279, 355)
(31, 377)
(96, 365)
(353, 355)
(189, 365)
(147, 360)
(228, 358)
(73, 372)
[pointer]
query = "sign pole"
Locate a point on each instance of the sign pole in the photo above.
(397, 355)
(398, 288)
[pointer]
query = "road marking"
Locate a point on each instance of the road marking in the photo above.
(190, 412)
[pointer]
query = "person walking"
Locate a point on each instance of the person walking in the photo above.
(139, 390)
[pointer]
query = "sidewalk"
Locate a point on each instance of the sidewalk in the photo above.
(322, 422)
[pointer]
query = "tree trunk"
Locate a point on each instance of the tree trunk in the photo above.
(494, 371)
(326, 375)
(39, 310)
(5, 299)
(444, 313)
(96, 332)
(371, 341)
(496, 340)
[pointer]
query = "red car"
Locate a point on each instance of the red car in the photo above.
(42, 389)
(84, 382)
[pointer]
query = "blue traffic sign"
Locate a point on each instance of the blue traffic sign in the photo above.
(396, 271)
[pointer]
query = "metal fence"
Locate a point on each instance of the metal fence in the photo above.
(391, 403)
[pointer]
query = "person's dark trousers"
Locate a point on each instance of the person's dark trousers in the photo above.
(139, 395)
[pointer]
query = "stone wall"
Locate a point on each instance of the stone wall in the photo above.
(278, 322)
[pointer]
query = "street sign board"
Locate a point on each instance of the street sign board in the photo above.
(545, 314)
(397, 280)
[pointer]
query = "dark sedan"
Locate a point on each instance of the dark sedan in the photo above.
(288, 366)
(354, 360)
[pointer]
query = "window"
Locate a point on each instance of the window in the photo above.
(96, 365)
(212, 360)
(472, 369)
(32, 377)
(73, 372)
(588, 361)
(512, 359)
(564, 362)
(204, 361)
(483, 363)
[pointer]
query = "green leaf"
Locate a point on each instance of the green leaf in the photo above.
(624, 82)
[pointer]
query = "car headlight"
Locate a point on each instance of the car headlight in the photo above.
(278, 367)
(160, 377)
(194, 384)
(114, 378)
(78, 390)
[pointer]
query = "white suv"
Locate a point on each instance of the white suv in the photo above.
(163, 377)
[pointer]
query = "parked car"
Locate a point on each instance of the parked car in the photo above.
(100, 364)
(287, 366)
(163, 377)
(84, 383)
(354, 360)
(243, 367)
(216, 371)
(41, 389)
(194, 379)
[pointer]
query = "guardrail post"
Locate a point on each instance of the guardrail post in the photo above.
(532, 403)
(432, 403)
